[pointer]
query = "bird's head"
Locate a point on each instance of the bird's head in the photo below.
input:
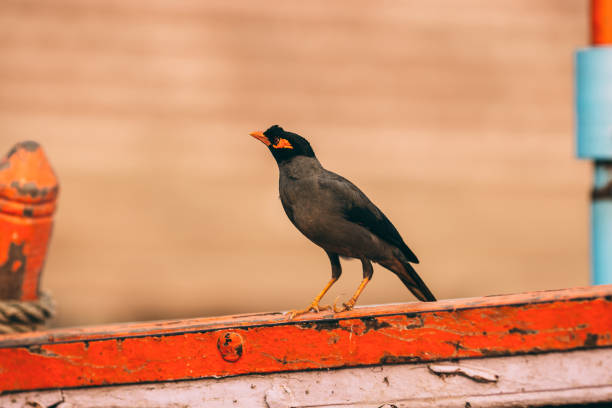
(284, 145)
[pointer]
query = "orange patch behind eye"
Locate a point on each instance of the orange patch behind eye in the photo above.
(282, 144)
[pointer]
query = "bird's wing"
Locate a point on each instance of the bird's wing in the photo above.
(358, 208)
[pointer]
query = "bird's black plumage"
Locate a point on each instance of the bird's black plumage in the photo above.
(336, 215)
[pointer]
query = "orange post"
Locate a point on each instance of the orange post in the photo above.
(601, 22)
(28, 193)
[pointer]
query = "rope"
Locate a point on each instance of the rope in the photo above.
(18, 317)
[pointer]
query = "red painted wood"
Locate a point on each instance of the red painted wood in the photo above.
(28, 193)
(414, 332)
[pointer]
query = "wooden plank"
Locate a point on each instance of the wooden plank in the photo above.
(575, 377)
(221, 347)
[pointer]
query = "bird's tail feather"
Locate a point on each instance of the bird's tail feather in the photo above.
(416, 285)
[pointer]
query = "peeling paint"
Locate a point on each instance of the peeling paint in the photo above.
(516, 330)
(388, 358)
(374, 323)
(367, 323)
(603, 191)
(28, 145)
(28, 211)
(31, 189)
(39, 350)
(12, 272)
(591, 340)
(474, 374)
(381, 335)
(11, 152)
(327, 325)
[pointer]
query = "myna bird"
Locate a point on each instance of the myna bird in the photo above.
(337, 216)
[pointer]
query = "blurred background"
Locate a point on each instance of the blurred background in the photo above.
(455, 117)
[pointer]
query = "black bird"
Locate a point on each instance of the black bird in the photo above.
(334, 214)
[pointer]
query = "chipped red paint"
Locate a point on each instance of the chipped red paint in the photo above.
(28, 193)
(413, 332)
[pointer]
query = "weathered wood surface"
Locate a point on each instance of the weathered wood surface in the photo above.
(493, 326)
(554, 378)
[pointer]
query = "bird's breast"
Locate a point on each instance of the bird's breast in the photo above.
(306, 205)
(318, 214)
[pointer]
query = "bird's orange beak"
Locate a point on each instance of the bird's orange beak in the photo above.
(261, 137)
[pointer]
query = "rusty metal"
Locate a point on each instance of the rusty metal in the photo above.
(532, 323)
(28, 194)
(231, 346)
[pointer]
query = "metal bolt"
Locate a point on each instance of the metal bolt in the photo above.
(231, 346)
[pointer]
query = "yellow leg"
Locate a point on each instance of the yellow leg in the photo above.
(314, 306)
(349, 305)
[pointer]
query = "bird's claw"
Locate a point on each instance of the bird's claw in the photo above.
(322, 308)
(345, 307)
(314, 307)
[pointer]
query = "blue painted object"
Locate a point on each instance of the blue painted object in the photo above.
(594, 103)
(594, 141)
